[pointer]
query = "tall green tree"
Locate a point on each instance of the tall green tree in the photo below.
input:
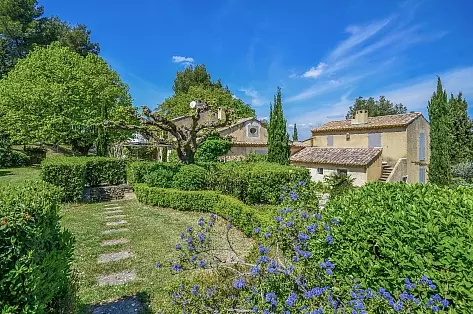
(461, 130)
(193, 76)
(195, 83)
(295, 136)
(22, 27)
(440, 137)
(380, 107)
(55, 95)
(278, 138)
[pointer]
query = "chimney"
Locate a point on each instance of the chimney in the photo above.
(221, 115)
(361, 117)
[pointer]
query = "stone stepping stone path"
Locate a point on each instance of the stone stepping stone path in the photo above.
(113, 212)
(114, 257)
(128, 305)
(115, 217)
(114, 242)
(116, 223)
(115, 231)
(117, 278)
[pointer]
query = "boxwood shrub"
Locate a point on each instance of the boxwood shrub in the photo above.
(13, 158)
(252, 183)
(35, 255)
(390, 232)
(191, 178)
(244, 217)
(72, 174)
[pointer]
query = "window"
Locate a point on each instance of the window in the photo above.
(421, 147)
(253, 131)
(330, 140)
(342, 172)
(404, 179)
(422, 175)
(320, 171)
(347, 136)
(374, 140)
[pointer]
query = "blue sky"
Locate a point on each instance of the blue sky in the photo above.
(323, 54)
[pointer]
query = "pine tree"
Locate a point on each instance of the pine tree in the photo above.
(461, 130)
(440, 137)
(295, 136)
(278, 138)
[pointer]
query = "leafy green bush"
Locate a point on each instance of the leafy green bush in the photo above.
(12, 158)
(67, 173)
(102, 170)
(211, 149)
(338, 183)
(35, 255)
(161, 177)
(72, 174)
(389, 232)
(190, 178)
(245, 217)
(256, 183)
(253, 183)
(254, 157)
(138, 171)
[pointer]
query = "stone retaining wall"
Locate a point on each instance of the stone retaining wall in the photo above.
(105, 193)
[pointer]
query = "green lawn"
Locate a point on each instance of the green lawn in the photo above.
(153, 233)
(18, 175)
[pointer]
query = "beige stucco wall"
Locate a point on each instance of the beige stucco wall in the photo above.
(373, 173)
(393, 142)
(238, 152)
(413, 131)
(359, 174)
(240, 133)
(399, 171)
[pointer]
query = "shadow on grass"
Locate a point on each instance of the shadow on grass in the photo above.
(135, 304)
(4, 173)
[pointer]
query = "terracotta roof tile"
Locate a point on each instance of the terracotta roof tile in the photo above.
(381, 122)
(337, 156)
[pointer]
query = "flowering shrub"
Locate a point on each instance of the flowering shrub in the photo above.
(285, 275)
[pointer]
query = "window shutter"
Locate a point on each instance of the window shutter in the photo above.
(421, 146)
(330, 140)
(422, 175)
(374, 140)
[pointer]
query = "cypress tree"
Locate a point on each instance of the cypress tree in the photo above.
(278, 138)
(461, 130)
(440, 137)
(295, 136)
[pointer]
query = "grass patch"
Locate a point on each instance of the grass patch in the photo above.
(153, 233)
(19, 175)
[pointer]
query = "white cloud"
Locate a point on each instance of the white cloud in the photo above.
(415, 94)
(359, 34)
(315, 72)
(256, 99)
(183, 60)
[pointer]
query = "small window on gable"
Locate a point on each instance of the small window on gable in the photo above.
(320, 171)
(253, 131)
(342, 172)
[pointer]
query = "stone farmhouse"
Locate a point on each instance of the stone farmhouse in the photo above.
(389, 148)
(247, 134)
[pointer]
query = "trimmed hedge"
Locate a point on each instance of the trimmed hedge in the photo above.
(35, 255)
(244, 217)
(389, 232)
(73, 174)
(253, 183)
(12, 158)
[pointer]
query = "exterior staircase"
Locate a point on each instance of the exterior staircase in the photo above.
(386, 171)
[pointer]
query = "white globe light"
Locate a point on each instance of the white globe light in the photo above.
(193, 104)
